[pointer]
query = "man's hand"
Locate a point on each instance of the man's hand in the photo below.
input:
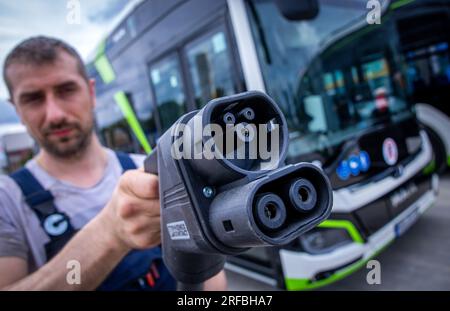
(133, 213)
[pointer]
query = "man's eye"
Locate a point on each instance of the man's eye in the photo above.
(33, 99)
(68, 90)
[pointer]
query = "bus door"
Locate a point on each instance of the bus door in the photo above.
(202, 68)
(211, 68)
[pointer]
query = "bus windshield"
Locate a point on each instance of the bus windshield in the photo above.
(334, 76)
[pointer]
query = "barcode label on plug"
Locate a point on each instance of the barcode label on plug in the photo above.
(178, 230)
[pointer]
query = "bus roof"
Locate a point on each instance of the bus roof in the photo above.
(130, 8)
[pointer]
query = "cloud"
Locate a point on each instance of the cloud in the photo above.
(21, 19)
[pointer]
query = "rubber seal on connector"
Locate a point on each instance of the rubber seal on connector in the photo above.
(270, 211)
(303, 195)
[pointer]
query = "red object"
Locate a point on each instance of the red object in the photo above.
(381, 100)
(150, 279)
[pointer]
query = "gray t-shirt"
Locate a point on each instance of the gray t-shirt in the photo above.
(21, 234)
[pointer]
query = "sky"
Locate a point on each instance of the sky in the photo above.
(20, 19)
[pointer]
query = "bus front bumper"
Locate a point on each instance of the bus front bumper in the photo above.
(304, 271)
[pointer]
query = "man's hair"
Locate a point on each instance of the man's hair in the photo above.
(38, 51)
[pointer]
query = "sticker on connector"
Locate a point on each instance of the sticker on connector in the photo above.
(178, 230)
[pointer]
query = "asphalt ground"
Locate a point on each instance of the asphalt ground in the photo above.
(418, 260)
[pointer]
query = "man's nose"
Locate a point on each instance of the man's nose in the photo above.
(54, 110)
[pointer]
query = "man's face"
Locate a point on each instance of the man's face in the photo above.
(55, 103)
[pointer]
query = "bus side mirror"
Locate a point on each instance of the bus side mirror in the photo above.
(297, 10)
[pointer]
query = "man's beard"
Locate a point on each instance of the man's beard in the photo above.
(67, 147)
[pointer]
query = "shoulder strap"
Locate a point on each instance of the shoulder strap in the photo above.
(32, 190)
(56, 224)
(126, 161)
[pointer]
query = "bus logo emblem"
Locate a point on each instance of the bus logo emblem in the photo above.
(390, 151)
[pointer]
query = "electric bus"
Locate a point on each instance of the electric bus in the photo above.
(340, 81)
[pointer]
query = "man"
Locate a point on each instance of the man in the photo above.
(70, 208)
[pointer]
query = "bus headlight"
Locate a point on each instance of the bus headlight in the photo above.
(323, 240)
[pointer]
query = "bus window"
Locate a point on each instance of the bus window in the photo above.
(145, 114)
(114, 130)
(285, 48)
(340, 85)
(121, 139)
(376, 73)
(329, 82)
(168, 90)
(118, 137)
(209, 68)
(429, 75)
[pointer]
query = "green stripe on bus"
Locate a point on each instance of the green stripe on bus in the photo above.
(105, 69)
(122, 100)
(305, 284)
(448, 160)
(343, 224)
(400, 3)
(100, 49)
